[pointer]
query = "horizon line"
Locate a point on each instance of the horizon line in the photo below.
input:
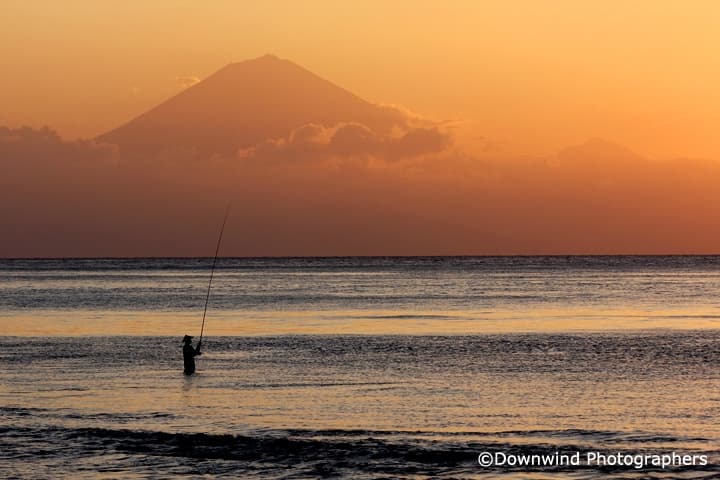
(260, 257)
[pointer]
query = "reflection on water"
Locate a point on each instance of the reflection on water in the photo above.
(367, 322)
(359, 295)
(356, 368)
(432, 401)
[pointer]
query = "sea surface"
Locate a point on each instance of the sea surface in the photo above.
(360, 368)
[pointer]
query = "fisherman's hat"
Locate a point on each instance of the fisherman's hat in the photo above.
(187, 337)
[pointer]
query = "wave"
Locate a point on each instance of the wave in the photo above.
(577, 436)
(62, 413)
(321, 453)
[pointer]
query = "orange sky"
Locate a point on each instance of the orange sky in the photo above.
(523, 76)
(507, 127)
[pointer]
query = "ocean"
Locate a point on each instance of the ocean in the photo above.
(361, 368)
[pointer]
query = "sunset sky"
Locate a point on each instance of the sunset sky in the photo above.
(529, 107)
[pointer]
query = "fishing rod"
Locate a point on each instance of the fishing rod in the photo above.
(212, 270)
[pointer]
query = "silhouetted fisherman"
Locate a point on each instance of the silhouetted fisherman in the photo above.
(189, 354)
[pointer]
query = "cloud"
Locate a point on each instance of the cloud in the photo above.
(350, 140)
(418, 141)
(45, 147)
(187, 81)
(80, 198)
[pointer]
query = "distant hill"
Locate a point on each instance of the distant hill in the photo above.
(599, 152)
(245, 103)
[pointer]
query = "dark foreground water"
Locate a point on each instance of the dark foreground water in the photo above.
(360, 368)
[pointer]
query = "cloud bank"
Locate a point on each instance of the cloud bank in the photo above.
(313, 142)
(320, 191)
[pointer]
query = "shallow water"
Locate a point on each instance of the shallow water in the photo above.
(354, 406)
(376, 403)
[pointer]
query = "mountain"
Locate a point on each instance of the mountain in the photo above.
(243, 104)
(599, 153)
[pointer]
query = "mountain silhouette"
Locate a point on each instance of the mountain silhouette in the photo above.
(246, 103)
(599, 152)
